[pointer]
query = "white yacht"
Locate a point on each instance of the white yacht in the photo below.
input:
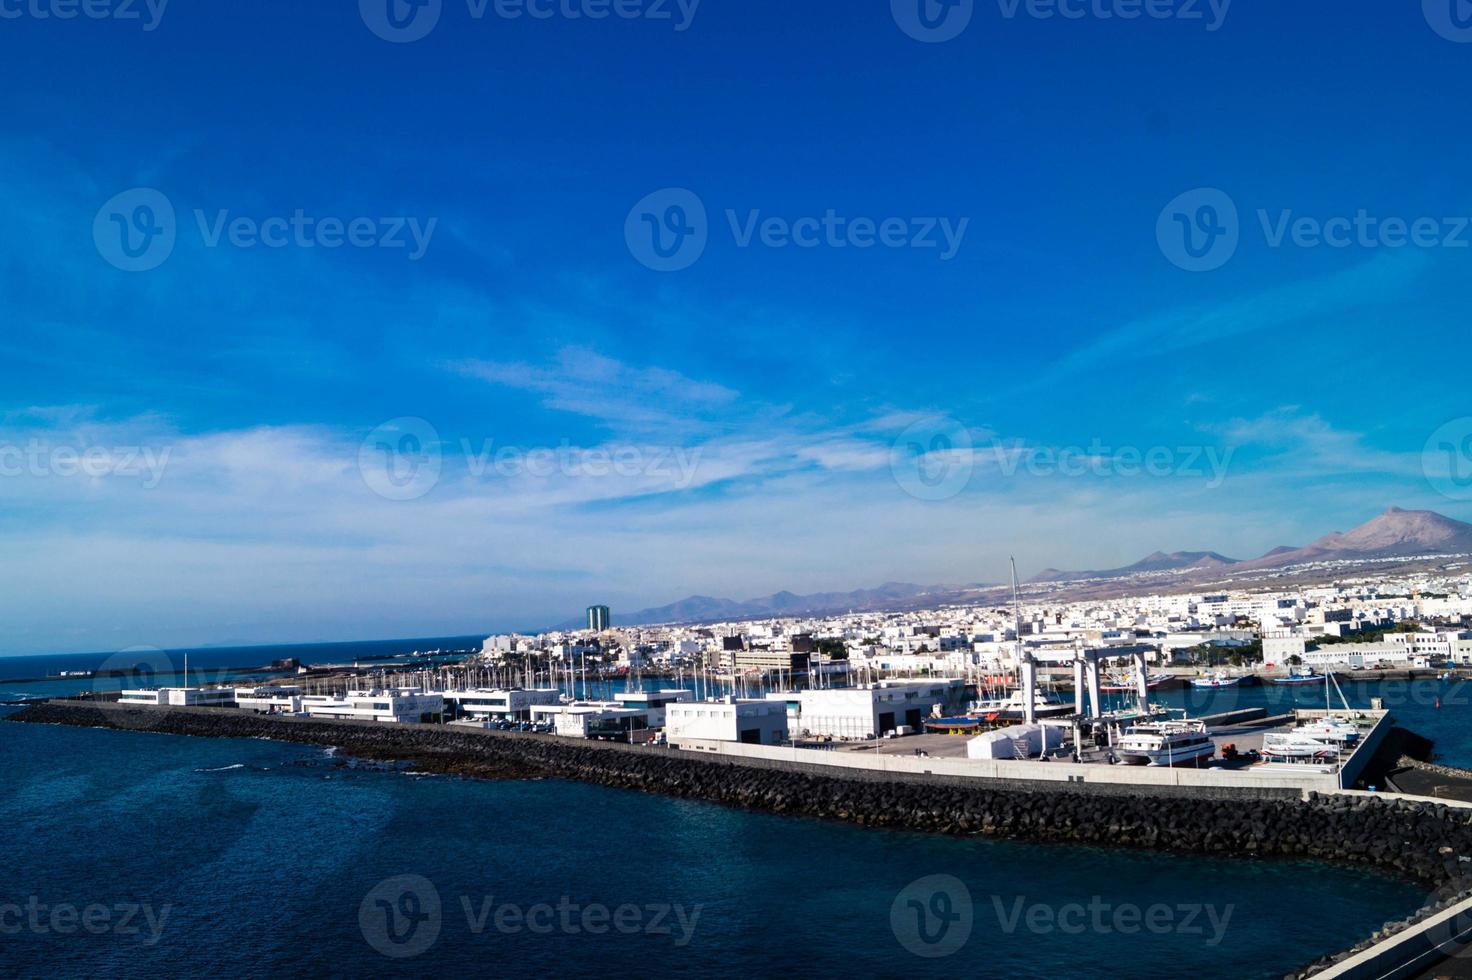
(1330, 730)
(1166, 743)
(1009, 709)
(1296, 746)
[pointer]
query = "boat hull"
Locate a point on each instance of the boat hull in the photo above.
(1162, 760)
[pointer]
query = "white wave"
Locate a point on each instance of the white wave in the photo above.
(238, 765)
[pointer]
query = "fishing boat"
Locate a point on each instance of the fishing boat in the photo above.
(1295, 678)
(1123, 685)
(1166, 743)
(1217, 680)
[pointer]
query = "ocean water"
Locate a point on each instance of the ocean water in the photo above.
(26, 677)
(133, 854)
(252, 857)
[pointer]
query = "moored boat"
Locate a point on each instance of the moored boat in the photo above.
(1009, 710)
(1166, 743)
(1295, 746)
(1217, 680)
(1123, 685)
(1295, 678)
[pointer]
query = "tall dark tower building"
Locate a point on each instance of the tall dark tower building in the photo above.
(598, 618)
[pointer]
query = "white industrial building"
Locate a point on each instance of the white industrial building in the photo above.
(755, 722)
(201, 697)
(592, 719)
(402, 706)
(271, 699)
(870, 710)
(653, 703)
(502, 705)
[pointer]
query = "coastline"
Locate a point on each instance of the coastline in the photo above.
(1400, 837)
(1411, 839)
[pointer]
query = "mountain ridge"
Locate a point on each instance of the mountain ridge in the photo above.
(1395, 533)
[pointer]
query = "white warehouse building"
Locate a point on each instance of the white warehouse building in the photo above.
(510, 705)
(870, 710)
(754, 722)
(403, 706)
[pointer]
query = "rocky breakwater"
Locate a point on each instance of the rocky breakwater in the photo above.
(1428, 842)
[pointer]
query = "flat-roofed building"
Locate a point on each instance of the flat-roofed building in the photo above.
(591, 719)
(870, 710)
(194, 697)
(401, 706)
(502, 705)
(753, 722)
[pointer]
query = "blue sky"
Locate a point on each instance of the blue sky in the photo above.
(783, 417)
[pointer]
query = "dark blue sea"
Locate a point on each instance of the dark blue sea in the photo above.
(132, 854)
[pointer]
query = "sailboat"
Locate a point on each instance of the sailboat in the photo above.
(1009, 706)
